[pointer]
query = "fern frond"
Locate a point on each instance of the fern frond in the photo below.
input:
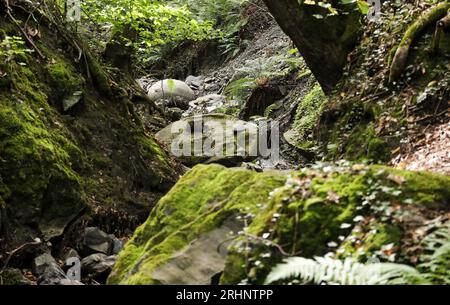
(436, 266)
(331, 271)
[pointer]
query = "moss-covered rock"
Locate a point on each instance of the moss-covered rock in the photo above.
(281, 213)
(200, 202)
(37, 155)
(306, 119)
(211, 138)
(55, 167)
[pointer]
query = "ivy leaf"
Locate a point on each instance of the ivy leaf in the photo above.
(363, 7)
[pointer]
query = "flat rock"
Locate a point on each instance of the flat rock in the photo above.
(188, 138)
(201, 260)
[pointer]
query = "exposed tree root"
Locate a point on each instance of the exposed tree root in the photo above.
(401, 55)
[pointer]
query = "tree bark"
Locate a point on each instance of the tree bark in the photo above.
(323, 42)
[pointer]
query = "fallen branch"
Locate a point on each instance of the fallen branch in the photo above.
(12, 253)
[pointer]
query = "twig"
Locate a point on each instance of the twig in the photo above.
(271, 243)
(27, 38)
(11, 254)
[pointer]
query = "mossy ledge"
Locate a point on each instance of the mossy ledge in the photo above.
(58, 164)
(284, 214)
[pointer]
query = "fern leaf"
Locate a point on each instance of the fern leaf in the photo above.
(347, 272)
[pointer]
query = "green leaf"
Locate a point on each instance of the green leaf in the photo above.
(363, 7)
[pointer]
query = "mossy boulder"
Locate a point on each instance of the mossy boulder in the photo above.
(202, 201)
(273, 215)
(217, 138)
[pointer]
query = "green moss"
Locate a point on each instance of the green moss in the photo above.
(364, 144)
(54, 165)
(353, 135)
(200, 202)
(13, 277)
(270, 109)
(100, 77)
(301, 212)
(294, 221)
(307, 117)
(310, 210)
(37, 155)
(309, 110)
(63, 79)
(400, 59)
(369, 244)
(385, 234)
(424, 188)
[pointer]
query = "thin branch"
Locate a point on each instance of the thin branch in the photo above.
(27, 38)
(12, 253)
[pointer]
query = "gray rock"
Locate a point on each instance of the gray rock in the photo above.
(220, 131)
(176, 103)
(67, 282)
(254, 167)
(195, 82)
(47, 270)
(53, 275)
(41, 262)
(206, 104)
(202, 260)
(209, 100)
(146, 82)
(96, 241)
(72, 100)
(97, 266)
(117, 244)
(169, 88)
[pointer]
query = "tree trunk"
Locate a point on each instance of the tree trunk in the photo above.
(323, 42)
